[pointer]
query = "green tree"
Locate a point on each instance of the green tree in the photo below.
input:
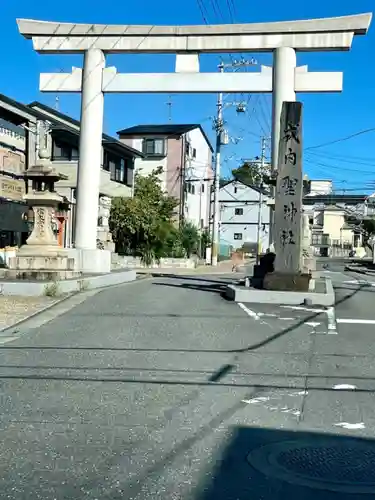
(190, 238)
(368, 227)
(251, 173)
(205, 241)
(143, 225)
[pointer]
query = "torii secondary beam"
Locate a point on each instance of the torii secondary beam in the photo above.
(114, 82)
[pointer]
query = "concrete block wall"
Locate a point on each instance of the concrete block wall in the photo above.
(127, 261)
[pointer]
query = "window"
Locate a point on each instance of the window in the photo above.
(235, 190)
(238, 211)
(154, 147)
(238, 236)
(202, 188)
(118, 168)
(194, 153)
(63, 151)
(190, 188)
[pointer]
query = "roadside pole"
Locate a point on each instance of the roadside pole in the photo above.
(216, 211)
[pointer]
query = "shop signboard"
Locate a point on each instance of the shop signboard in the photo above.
(11, 189)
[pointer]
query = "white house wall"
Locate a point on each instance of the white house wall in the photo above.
(198, 169)
(234, 196)
(145, 166)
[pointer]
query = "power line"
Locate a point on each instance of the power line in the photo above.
(348, 137)
(359, 160)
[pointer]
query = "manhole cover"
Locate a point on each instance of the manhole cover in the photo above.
(334, 466)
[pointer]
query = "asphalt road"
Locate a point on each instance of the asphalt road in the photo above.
(161, 389)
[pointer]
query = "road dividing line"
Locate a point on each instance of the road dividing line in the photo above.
(331, 321)
(356, 321)
(248, 311)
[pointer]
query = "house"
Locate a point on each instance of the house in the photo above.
(14, 159)
(239, 216)
(320, 187)
(185, 154)
(334, 220)
(20, 138)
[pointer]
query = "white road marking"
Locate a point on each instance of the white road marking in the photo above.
(286, 319)
(301, 308)
(311, 323)
(356, 321)
(331, 321)
(248, 311)
(358, 282)
(5, 340)
(341, 387)
(347, 425)
(255, 400)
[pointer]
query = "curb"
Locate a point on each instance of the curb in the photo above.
(252, 295)
(40, 311)
(63, 299)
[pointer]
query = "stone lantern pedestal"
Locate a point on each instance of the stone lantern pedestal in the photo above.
(42, 258)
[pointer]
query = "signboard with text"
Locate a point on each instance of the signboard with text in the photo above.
(13, 189)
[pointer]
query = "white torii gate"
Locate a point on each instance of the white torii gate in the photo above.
(187, 42)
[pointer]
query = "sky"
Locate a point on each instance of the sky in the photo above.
(327, 117)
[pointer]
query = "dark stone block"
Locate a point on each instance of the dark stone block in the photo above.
(288, 282)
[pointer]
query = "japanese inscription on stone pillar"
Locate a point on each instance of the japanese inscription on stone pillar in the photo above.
(288, 197)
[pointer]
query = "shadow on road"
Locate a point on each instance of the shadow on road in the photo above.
(271, 464)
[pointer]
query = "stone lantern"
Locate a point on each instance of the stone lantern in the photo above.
(42, 257)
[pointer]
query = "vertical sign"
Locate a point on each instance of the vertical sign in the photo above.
(289, 187)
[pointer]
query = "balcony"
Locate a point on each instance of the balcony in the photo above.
(320, 240)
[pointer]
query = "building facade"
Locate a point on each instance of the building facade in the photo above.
(335, 222)
(18, 148)
(13, 228)
(116, 175)
(239, 216)
(184, 154)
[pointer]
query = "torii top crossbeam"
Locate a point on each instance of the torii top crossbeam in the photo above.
(327, 34)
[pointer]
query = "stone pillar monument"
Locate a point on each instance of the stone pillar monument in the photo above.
(288, 205)
(42, 258)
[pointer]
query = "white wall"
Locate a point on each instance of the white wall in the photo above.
(243, 198)
(198, 169)
(145, 166)
(320, 187)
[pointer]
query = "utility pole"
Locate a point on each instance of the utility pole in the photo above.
(216, 214)
(222, 139)
(262, 161)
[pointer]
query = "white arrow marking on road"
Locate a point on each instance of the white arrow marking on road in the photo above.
(341, 387)
(347, 425)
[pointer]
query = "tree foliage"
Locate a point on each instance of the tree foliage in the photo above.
(248, 173)
(145, 225)
(368, 227)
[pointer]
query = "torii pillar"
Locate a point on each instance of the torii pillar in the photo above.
(281, 38)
